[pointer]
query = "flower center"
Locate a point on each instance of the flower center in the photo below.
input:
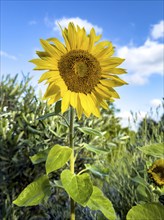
(80, 71)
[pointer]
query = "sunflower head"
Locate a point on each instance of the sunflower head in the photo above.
(81, 71)
(156, 172)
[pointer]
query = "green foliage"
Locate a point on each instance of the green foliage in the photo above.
(35, 193)
(155, 150)
(29, 129)
(40, 157)
(57, 158)
(22, 136)
(149, 211)
(79, 187)
(90, 131)
(98, 201)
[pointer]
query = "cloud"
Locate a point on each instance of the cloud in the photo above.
(5, 54)
(156, 102)
(32, 22)
(157, 30)
(127, 115)
(77, 21)
(142, 61)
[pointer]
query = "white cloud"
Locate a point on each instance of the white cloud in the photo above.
(131, 119)
(128, 115)
(144, 60)
(77, 21)
(32, 22)
(157, 30)
(5, 54)
(156, 102)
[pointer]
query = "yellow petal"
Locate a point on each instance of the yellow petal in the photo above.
(111, 82)
(56, 78)
(117, 71)
(54, 98)
(93, 105)
(92, 39)
(51, 90)
(112, 63)
(72, 35)
(80, 37)
(106, 52)
(48, 75)
(98, 98)
(42, 54)
(66, 101)
(63, 87)
(65, 36)
(102, 48)
(58, 44)
(110, 92)
(50, 49)
(73, 100)
(44, 64)
(84, 41)
(85, 104)
(102, 93)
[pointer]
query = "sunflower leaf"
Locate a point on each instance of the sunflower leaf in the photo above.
(57, 158)
(149, 211)
(40, 156)
(79, 187)
(35, 193)
(98, 201)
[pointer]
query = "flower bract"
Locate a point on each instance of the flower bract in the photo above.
(81, 71)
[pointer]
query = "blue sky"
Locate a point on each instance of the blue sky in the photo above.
(135, 28)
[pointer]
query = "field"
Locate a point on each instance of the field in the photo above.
(117, 159)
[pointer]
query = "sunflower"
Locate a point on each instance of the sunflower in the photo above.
(156, 172)
(81, 72)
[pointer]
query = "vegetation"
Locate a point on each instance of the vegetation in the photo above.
(116, 157)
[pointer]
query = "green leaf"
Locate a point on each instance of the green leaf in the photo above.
(90, 131)
(155, 150)
(14, 90)
(98, 201)
(95, 150)
(46, 116)
(56, 112)
(40, 156)
(139, 180)
(35, 193)
(33, 130)
(58, 107)
(79, 187)
(57, 158)
(95, 170)
(148, 211)
(143, 193)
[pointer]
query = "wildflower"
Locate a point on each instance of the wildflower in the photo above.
(81, 72)
(156, 172)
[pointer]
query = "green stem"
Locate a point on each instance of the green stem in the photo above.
(72, 159)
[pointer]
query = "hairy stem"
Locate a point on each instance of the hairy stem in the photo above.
(72, 159)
